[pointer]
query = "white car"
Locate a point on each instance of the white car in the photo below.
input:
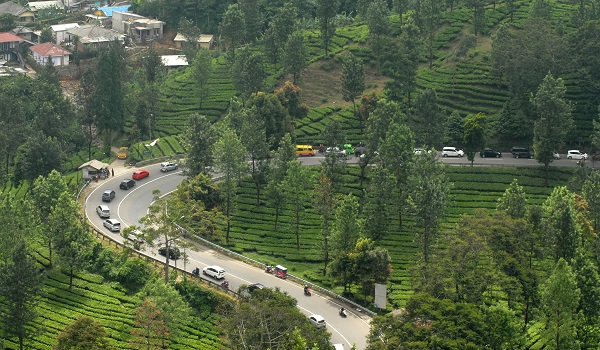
(317, 320)
(167, 166)
(335, 150)
(556, 155)
(214, 271)
(576, 154)
(112, 225)
(452, 152)
(103, 211)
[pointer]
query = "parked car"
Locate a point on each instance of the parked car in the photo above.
(214, 271)
(127, 184)
(168, 166)
(576, 154)
(488, 152)
(112, 225)
(521, 152)
(103, 211)
(317, 320)
(174, 252)
(348, 148)
(360, 150)
(335, 150)
(452, 152)
(140, 174)
(108, 195)
(123, 152)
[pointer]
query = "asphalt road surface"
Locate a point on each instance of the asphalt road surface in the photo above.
(130, 205)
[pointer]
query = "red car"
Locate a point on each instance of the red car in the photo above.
(140, 174)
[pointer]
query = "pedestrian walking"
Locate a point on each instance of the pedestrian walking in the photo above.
(112, 171)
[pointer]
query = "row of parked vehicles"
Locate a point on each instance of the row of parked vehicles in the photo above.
(516, 152)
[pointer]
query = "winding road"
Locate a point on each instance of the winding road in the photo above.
(130, 205)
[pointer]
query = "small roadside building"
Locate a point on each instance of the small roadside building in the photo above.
(46, 52)
(23, 14)
(204, 41)
(93, 168)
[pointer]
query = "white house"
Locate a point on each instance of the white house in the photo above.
(60, 31)
(43, 53)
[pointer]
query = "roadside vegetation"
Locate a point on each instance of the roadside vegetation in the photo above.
(476, 257)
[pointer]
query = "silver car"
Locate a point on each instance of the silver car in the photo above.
(576, 154)
(167, 166)
(112, 225)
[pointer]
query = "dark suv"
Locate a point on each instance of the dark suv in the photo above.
(127, 184)
(521, 152)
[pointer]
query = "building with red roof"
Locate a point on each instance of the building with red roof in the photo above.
(46, 52)
(8, 46)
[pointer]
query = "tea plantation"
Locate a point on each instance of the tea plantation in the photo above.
(254, 232)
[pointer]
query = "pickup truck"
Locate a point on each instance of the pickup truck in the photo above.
(123, 152)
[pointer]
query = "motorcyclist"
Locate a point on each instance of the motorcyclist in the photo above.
(306, 291)
(225, 284)
(196, 271)
(342, 311)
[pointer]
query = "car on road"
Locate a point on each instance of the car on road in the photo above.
(136, 237)
(452, 152)
(576, 154)
(103, 211)
(335, 150)
(317, 320)
(255, 286)
(360, 150)
(556, 155)
(214, 271)
(521, 152)
(108, 195)
(126, 184)
(168, 166)
(112, 225)
(489, 152)
(174, 252)
(338, 346)
(140, 174)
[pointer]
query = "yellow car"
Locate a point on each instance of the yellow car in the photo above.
(122, 154)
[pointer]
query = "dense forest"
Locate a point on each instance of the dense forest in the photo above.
(473, 258)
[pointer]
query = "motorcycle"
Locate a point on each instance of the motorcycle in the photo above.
(269, 269)
(307, 291)
(225, 284)
(196, 272)
(343, 312)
